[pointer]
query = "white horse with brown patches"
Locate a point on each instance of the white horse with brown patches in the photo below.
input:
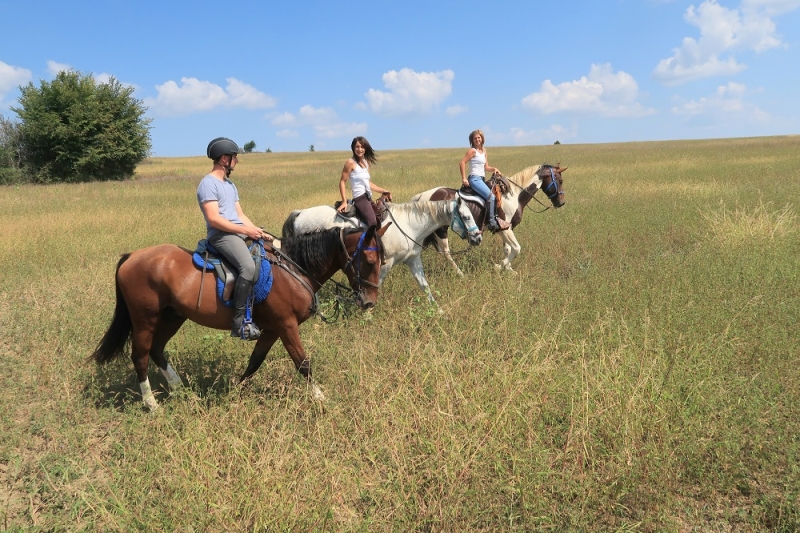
(523, 185)
(411, 223)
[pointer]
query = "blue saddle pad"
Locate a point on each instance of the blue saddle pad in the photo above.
(260, 289)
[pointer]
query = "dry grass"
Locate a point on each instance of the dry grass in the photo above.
(637, 374)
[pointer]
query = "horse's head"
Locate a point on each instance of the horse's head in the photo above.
(365, 254)
(463, 223)
(553, 183)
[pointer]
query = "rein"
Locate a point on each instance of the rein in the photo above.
(280, 257)
(455, 215)
(357, 258)
(553, 181)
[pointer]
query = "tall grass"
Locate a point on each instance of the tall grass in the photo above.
(639, 372)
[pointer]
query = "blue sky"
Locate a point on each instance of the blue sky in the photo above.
(417, 74)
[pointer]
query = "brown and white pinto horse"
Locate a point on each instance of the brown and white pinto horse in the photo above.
(524, 185)
(159, 288)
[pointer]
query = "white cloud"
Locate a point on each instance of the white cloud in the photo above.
(287, 134)
(54, 67)
(556, 132)
(324, 122)
(455, 110)
(722, 31)
(12, 77)
(727, 100)
(603, 92)
(410, 93)
(194, 95)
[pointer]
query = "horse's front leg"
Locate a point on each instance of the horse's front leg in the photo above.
(415, 266)
(260, 351)
(443, 245)
(511, 248)
(291, 341)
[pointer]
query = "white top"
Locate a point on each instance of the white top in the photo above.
(477, 165)
(359, 179)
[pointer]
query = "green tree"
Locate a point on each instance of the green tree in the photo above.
(249, 146)
(74, 129)
(11, 153)
(311, 148)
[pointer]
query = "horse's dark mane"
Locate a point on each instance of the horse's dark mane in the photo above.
(312, 251)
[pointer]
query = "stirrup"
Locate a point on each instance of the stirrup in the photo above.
(248, 332)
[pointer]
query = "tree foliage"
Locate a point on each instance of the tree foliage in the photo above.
(10, 153)
(75, 129)
(249, 146)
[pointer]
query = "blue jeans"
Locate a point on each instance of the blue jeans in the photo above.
(477, 184)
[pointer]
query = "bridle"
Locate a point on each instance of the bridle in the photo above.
(460, 220)
(281, 258)
(354, 262)
(455, 215)
(553, 182)
(533, 188)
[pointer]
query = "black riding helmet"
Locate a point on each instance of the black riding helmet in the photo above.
(221, 146)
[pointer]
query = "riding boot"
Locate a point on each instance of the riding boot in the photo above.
(495, 224)
(241, 293)
(491, 205)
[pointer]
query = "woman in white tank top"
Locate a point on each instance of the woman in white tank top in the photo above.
(478, 165)
(356, 169)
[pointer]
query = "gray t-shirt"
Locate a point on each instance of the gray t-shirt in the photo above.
(225, 193)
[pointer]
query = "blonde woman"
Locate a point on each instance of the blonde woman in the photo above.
(478, 166)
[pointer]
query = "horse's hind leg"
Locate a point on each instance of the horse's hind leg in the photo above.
(260, 351)
(141, 340)
(167, 327)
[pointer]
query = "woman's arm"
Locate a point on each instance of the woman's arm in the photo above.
(375, 188)
(463, 166)
(486, 166)
(346, 170)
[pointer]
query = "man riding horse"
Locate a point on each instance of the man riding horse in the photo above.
(228, 227)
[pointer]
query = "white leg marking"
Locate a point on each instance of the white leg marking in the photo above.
(316, 393)
(147, 395)
(444, 245)
(173, 380)
(415, 265)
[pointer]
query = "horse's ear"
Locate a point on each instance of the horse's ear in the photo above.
(383, 229)
(562, 169)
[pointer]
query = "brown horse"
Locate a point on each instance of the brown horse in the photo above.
(159, 288)
(524, 185)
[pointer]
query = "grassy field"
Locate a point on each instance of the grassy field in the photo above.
(640, 372)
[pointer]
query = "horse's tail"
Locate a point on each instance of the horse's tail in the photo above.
(288, 226)
(115, 338)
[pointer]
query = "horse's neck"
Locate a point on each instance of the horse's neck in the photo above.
(422, 218)
(529, 181)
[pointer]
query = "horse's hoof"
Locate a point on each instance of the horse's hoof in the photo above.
(316, 393)
(150, 403)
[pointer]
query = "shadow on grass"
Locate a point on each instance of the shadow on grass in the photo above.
(212, 379)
